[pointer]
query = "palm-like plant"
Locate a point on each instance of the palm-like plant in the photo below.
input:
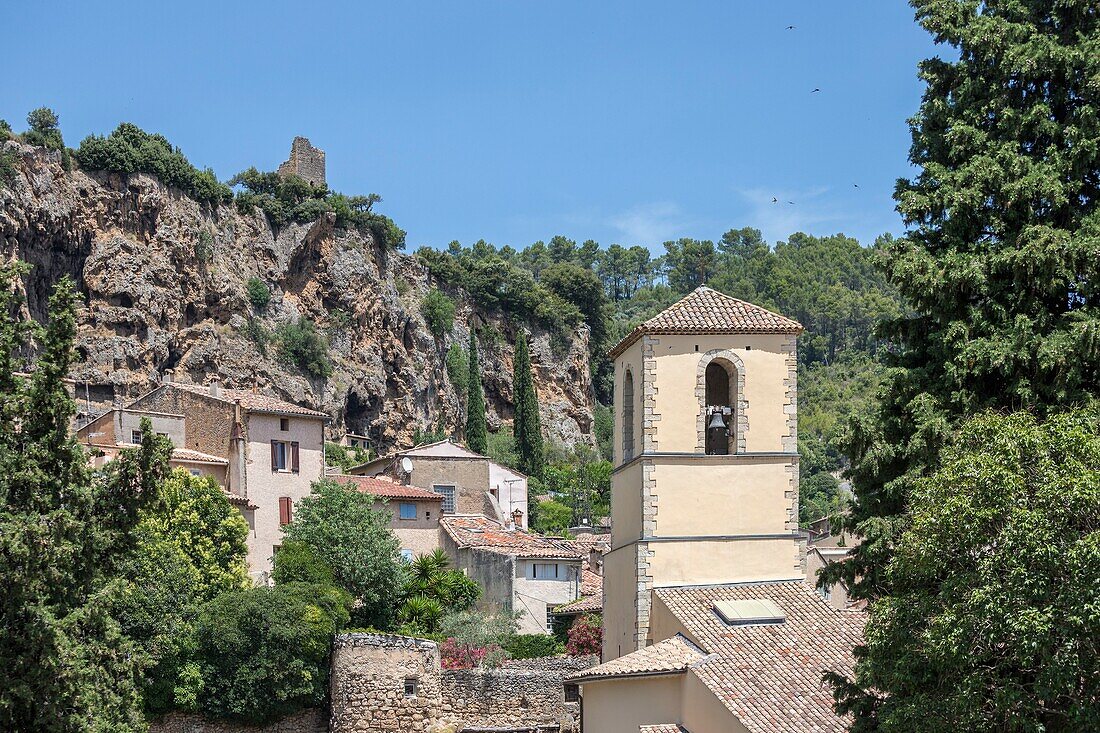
(433, 585)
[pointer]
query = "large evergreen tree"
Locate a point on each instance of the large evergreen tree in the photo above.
(1001, 264)
(477, 431)
(67, 665)
(526, 427)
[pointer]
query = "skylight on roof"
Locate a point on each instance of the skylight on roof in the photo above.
(750, 611)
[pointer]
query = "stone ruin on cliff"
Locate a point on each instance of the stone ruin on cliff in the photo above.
(306, 162)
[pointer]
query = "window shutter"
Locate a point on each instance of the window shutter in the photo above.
(294, 457)
(274, 458)
(284, 510)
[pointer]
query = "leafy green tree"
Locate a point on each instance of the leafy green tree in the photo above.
(581, 287)
(259, 295)
(439, 312)
(527, 427)
(264, 652)
(476, 427)
(191, 547)
(551, 516)
(297, 562)
(490, 633)
(992, 622)
(344, 528)
(690, 263)
(129, 149)
(63, 536)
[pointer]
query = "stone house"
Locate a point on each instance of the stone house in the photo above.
(709, 623)
(470, 483)
(266, 452)
(824, 548)
(517, 571)
(414, 512)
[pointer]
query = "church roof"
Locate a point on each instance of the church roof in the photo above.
(706, 311)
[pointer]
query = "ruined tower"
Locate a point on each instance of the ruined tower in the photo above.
(306, 162)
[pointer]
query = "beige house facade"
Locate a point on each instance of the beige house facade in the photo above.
(414, 512)
(264, 451)
(709, 624)
(470, 483)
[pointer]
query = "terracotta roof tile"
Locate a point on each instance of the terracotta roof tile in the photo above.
(769, 675)
(662, 728)
(585, 604)
(237, 500)
(187, 455)
(254, 401)
(591, 582)
(705, 310)
(386, 489)
(674, 654)
(485, 534)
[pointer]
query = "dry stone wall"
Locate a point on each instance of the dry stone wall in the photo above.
(382, 682)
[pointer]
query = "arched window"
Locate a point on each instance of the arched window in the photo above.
(720, 414)
(628, 416)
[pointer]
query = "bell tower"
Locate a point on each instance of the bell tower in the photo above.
(705, 486)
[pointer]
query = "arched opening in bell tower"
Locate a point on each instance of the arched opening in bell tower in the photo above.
(628, 416)
(719, 415)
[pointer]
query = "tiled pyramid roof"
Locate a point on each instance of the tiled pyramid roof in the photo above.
(706, 311)
(385, 489)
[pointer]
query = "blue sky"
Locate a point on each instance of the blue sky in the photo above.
(630, 122)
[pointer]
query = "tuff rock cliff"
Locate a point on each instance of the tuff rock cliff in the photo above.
(164, 280)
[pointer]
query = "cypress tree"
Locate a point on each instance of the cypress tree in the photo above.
(477, 435)
(526, 426)
(1000, 265)
(63, 534)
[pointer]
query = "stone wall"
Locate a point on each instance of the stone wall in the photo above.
(306, 721)
(306, 162)
(369, 692)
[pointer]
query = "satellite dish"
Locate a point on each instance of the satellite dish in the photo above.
(406, 465)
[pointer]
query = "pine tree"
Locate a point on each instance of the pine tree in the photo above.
(477, 435)
(526, 426)
(1001, 264)
(63, 534)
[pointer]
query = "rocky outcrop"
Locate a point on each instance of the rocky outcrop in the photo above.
(164, 280)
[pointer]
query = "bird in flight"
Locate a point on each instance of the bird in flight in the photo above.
(790, 27)
(856, 185)
(775, 200)
(791, 203)
(815, 91)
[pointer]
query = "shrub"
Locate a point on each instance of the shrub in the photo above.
(344, 456)
(204, 247)
(7, 168)
(129, 149)
(585, 636)
(439, 312)
(263, 652)
(301, 344)
(5, 131)
(475, 639)
(255, 332)
(458, 369)
(296, 562)
(259, 295)
(529, 646)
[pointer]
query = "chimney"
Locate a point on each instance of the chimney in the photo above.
(215, 386)
(517, 519)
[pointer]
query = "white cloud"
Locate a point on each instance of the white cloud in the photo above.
(649, 224)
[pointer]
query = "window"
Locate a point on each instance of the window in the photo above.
(408, 510)
(407, 555)
(410, 686)
(135, 437)
(572, 693)
(549, 619)
(286, 510)
(543, 571)
(448, 494)
(719, 390)
(628, 416)
(284, 424)
(196, 472)
(284, 456)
